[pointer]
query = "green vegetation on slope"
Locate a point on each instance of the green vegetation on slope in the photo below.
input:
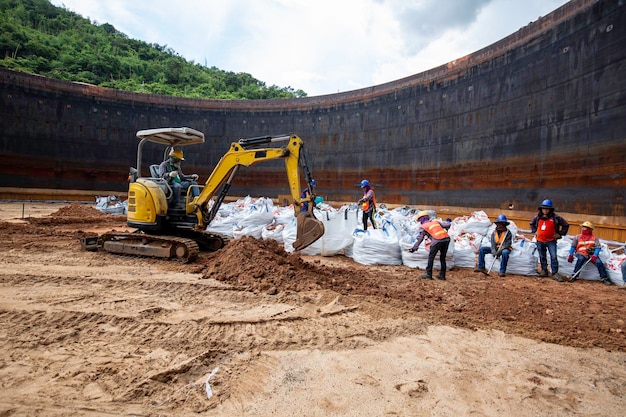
(40, 38)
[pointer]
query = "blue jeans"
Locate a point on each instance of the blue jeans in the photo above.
(484, 250)
(543, 260)
(177, 188)
(581, 259)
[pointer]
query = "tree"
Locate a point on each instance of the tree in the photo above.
(40, 38)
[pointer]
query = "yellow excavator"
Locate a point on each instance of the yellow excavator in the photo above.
(180, 232)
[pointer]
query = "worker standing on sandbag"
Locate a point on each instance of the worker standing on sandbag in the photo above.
(549, 227)
(586, 248)
(501, 246)
(368, 204)
(437, 230)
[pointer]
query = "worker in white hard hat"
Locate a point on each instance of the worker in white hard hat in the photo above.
(586, 248)
(172, 172)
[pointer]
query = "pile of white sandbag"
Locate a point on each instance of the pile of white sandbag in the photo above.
(396, 231)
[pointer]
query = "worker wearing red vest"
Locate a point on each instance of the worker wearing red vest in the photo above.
(586, 246)
(367, 204)
(548, 228)
(437, 231)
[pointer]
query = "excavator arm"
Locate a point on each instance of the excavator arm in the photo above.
(251, 151)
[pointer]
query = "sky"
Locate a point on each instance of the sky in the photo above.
(318, 46)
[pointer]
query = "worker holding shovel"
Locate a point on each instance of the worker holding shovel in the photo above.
(501, 246)
(586, 248)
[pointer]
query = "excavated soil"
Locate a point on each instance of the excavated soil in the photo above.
(92, 333)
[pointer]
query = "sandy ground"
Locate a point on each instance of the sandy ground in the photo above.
(275, 334)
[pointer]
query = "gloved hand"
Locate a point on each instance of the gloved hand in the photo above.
(498, 253)
(173, 174)
(411, 250)
(194, 177)
(570, 258)
(593, 259)
(448, 219)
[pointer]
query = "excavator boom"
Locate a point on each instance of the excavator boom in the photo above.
(247, 152)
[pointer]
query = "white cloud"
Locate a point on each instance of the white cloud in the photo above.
(321, 47)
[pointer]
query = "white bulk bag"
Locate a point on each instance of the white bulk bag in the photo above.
(377, 246)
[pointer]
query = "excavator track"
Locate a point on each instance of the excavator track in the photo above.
(168, 247)
(207, 241)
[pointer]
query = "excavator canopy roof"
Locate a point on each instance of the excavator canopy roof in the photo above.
(172, 136)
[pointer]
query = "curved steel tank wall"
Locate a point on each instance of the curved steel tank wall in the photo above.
(539, 114)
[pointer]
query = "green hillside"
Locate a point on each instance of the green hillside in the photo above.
(39, 38)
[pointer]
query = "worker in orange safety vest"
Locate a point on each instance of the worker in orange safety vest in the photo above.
(586, 247)
(367, 204)
(437, 230)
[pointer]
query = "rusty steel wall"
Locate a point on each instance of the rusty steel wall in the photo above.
(538, 114)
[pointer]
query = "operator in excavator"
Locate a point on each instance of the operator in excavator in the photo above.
(172, 172)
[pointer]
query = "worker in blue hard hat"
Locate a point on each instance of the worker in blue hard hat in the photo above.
(367, 204)
(501, 246)
(548, 228)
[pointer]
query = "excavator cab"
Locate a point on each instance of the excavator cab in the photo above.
(181, 231)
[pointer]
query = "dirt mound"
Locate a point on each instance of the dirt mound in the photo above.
(77, 210)
(77, 213)
(262, 265)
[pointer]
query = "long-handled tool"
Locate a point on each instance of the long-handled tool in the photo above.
(495, 257)
(573, 277)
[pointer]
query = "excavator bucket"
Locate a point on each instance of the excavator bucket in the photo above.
(308, 230)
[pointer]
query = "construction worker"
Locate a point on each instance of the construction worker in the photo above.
(501, 246)
(549, 227)
(171, 171)
(437, 231)
(624, 267)
(304, 207)
(586, 247)
(368, 204)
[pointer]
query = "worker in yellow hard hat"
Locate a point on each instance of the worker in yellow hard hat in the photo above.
(586, 248)
(172, 172)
